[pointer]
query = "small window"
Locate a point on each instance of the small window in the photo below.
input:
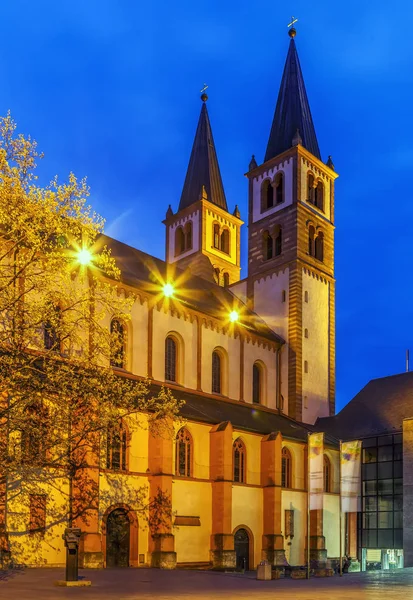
(310, 188)
(327, 474)
(306, 333)
(179, 241)
(183, 456)
(170, 359)
(116, 447)
(306, 296)
(256, 383)
(286, 468)
(305, 402)
(226, 279)
(225, 241)
(283, 296)
(34, 434)
(216, 235)
(319, 246)
(118, 339)
(268, 245)
(188, 236)
(306, 366)
(311, 240)
(216, 373)
(267, 195)
(239, 459)
(279, 188)
(278, 241)
(319, 196)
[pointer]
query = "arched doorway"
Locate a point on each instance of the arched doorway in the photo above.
(117, 538)
(242, 549)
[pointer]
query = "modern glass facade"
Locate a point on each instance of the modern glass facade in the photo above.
(380, 528)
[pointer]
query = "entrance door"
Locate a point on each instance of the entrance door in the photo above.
(242, 549)
(117, 539)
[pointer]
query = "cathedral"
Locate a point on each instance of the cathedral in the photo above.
(253, 360)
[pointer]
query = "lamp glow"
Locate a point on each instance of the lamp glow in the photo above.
(84, 257)
(233, 316)
(168, 290)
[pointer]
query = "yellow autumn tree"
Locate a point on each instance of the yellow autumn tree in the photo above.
(59, 289)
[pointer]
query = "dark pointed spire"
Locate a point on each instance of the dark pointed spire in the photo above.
(236, 212)
(292, 112)
(330, 163)
(253, 163)
(203, 169)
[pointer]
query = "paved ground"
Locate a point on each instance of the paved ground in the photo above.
(135, 584)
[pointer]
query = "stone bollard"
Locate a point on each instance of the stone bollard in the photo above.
(264, 571)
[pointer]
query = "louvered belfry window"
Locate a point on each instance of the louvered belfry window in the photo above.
(170, 359)
(256, 384)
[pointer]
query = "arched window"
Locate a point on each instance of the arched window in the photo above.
(225, 241)
(286, 468)
(179, 241)
(34, 433)
(171, 356)
(319, 246)
(188, 236)
(267, 195)
(279, 188)
(52, 330)
(226, 279)
(310, 188)
(216, 235)
(319, 196)
(327, 474)
(116, 447)
(268, 246)
(311, 240)
(216, 373)
(118, 342)
(183, 456)
(239, 461)
(278, 241)
(256, 383)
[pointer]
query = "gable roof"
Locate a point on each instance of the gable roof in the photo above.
(292, 112)
(203, 169)
(243, 416)
(378, 408)
(149, 274)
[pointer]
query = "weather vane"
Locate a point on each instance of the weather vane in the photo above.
(204, 89)
(293, 21)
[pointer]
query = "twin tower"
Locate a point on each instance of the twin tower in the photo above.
(290, 281)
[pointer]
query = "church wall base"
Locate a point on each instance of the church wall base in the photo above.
(163, 560)
(223, 559)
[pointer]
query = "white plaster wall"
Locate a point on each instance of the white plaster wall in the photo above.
(253, 353)
(239, 290)
(331, 525)
(307, 168)
(287, 168)
(195, 218)
(269, 305)
(247, 510)
(212, 339)
(315, 348)
(295, 547)
(138, 339)
(164, 323)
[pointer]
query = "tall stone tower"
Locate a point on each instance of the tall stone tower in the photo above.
(203, 236)
(291, 249)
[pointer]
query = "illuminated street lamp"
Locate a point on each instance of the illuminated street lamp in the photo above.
(168, 290)
(84, 257)
(233, 316)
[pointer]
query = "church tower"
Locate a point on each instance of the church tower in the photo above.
(291, 249)
(203, 236)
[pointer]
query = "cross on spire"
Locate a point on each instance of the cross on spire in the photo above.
(293, 21)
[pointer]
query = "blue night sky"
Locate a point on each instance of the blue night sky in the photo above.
(110, 89)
